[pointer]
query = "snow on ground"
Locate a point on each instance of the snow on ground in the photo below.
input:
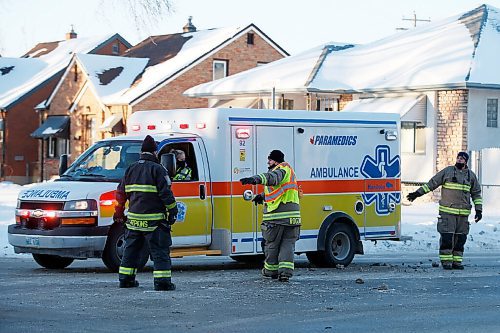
(418, 222)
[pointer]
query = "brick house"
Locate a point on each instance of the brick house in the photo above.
(151, 75)
(27, 82)
(442, 78)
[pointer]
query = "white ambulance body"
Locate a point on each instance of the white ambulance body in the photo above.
(347, 164)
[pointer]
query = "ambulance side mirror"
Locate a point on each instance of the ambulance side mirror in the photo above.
(169, 162)
(63, 164)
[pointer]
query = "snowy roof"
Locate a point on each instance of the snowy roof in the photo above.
(111, 76)
(170, 55)
(456, 52)
(19, 76)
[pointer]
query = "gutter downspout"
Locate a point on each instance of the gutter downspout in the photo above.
(3, 115)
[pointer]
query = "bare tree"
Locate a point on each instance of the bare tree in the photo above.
(144, 13)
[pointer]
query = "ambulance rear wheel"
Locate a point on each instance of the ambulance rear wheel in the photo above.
(51, 261)
(340, 245)
(115, 244)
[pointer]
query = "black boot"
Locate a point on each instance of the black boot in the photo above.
(128, 281)
(457, 265)
(164, 284)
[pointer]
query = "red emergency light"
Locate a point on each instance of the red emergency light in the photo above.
(201, 125)
(242, 133)
(151, 127)
(136, 127)
(184, 126)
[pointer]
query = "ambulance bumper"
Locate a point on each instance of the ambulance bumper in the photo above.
(74, 242)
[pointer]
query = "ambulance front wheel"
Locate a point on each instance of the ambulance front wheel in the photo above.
(115, 244)
(51, 261)
(340, 245)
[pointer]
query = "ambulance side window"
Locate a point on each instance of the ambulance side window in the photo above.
(187, 170)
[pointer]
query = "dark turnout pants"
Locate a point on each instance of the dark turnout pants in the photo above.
(453, 230)
(279, 248)
(159, 242)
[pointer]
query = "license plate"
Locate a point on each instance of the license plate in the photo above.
(33, 241)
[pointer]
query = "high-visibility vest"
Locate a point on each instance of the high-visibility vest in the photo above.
(286, 191)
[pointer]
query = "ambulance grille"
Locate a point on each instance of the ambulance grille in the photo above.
(42, 205)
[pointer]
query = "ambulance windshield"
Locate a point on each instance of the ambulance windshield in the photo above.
(105, 161)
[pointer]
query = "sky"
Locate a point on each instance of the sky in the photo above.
(418, 222)
(295, 25)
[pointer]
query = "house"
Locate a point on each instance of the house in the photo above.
(443, 78)
(26, 83)
(97, 93)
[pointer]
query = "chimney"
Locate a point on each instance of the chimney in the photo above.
(189, 27)
(72, 34)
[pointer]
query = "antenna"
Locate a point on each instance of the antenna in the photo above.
(414, 19)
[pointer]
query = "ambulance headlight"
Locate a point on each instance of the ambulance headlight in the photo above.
(80, 205)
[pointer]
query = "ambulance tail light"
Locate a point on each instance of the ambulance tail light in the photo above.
(136, 128)
(242, 133)
(107, 199)
(184, 126)
(201, 125)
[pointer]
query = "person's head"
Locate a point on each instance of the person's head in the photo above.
(462, 159)
(275, 157)
(180, 156)
(149, 145)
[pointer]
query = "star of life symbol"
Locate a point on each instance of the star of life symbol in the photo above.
(381, 166)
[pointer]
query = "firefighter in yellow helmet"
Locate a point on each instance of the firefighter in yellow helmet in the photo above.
(281, 219)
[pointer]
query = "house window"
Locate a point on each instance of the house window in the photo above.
(287, 104)
(116, 49)
(412, 138)
(250, 38)
(492, 112)
(220, 69)
(56, 147)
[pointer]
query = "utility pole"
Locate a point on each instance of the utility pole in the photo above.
(414, 19)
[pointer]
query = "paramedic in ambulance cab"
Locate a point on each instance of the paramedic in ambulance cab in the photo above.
(281, 219)
(151, 213)
(459, 186)
(183, 172)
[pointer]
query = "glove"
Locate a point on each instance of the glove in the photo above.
(412, 196)
(172, 215)
(248, 180)
(479, 216)
(119, 217)
(258, 199)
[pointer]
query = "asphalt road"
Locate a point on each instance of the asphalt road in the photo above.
(374, 294)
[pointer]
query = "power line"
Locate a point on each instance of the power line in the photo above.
(414, 19)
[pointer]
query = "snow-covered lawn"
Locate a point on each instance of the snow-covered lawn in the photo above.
(418, 222)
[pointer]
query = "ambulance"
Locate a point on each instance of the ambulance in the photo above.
(347, 165)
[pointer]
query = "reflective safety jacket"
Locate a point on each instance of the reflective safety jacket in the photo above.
(281, 195)
(183, 173)
(146, 186)
(458, 187)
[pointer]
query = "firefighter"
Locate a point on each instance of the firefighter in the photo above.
(151, 213)
(183, 172)
(281, 219)
(459, 185)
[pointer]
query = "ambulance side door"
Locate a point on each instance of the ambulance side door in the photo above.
(193, 226)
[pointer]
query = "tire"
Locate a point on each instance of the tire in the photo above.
(317, 258)
(51, 261)
(113, 251)
(340, 245)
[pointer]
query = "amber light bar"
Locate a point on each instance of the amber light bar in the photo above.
(78, 221)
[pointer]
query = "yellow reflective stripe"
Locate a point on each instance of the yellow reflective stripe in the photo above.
(478, 201)
(131, 227)
(263, 179)
(455, 186)
(281, 215)
(172, 205)
(454, 211)
(146, 217)
(141, 188)
(457, 258)
(446, 257)
(426, 188)
(270, 267)
(286, 264)
(127, 270)
(162, 274)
